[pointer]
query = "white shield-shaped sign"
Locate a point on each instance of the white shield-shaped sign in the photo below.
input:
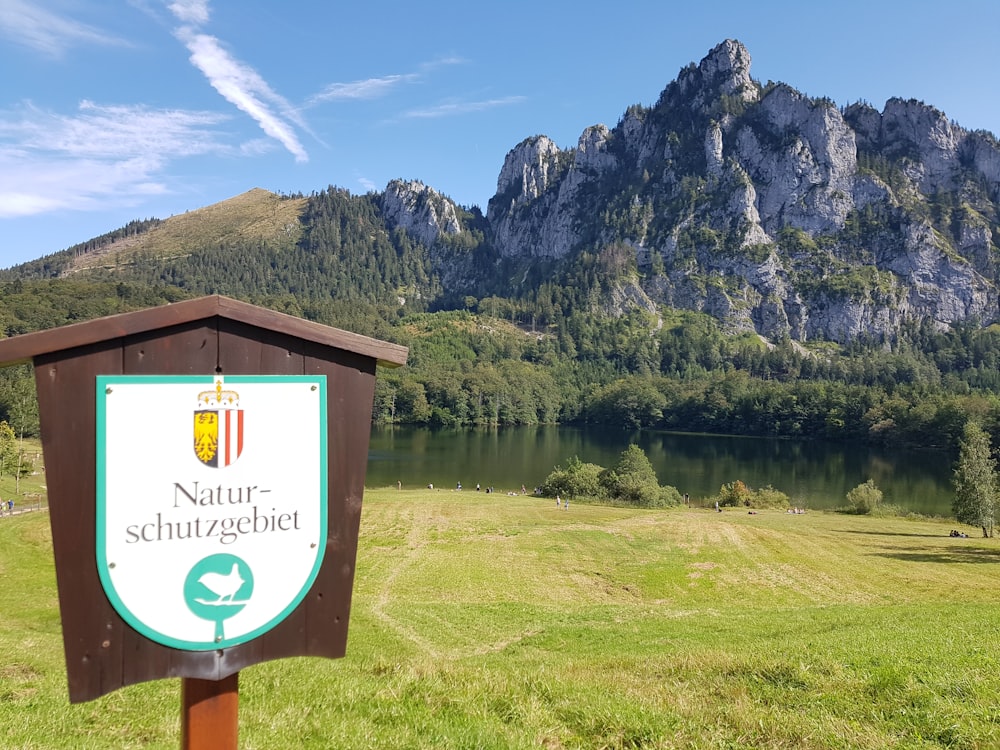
(211, 502)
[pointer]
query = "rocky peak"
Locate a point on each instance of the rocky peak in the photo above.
(420, 210)
(724, 71)
(917, 136)
(866, 121)
(802, 156)
(592, 149)
(915, 129)
(528, 168)
(982, 151)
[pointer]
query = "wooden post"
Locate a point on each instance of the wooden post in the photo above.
(210, 713)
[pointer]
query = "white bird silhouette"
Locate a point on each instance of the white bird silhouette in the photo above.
(223, 586)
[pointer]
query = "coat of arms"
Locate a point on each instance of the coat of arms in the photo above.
(218, 426)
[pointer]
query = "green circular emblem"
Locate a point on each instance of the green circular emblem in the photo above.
(218, 587)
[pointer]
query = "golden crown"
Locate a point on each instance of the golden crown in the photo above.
(219, 397)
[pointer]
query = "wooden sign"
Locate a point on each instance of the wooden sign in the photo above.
(124, 496)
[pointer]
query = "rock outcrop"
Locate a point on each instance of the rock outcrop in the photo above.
(773, 211)
(420, 210)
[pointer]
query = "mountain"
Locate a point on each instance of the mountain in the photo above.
(257, 216)
(774, 212)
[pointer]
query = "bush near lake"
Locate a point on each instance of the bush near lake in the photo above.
(865, 498)
(631, 481)
(736, 494)
(578, 480)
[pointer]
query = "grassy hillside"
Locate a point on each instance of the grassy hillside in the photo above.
(490, 621)
(255, 216)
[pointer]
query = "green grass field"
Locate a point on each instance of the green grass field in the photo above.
(489, 621)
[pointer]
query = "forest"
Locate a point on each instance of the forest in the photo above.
(541, 351)
(470, 368)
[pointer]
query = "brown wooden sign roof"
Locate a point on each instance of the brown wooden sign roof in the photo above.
(25, 347)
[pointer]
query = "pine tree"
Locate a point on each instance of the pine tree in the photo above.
(975, 480)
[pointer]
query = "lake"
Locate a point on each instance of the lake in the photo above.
(814, 475)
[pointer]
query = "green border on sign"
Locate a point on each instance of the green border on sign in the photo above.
(103, 382)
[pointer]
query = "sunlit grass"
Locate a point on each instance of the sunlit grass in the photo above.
(501, 622)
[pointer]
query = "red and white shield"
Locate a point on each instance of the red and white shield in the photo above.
(218, 426)
(218, 436)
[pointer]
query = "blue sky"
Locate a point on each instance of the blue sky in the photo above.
(114, 110)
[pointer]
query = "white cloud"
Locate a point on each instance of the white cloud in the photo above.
(373, 88)
(370, 88)
(29, 24)
(30, 187)
(461, 108)
(102, 156)
(114, 131)
(193, 12)
(238, 83)
(257, 147)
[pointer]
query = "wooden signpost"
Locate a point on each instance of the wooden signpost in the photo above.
(205, 464)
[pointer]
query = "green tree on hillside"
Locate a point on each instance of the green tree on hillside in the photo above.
(975, 480)
(627, 402)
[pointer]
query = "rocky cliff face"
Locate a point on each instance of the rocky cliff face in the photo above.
(770, 210)
(420, 210)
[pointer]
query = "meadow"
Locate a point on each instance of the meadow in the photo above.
(496, 621)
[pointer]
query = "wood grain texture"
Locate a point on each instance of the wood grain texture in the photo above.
(102, 652)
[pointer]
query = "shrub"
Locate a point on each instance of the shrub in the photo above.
(734, 493)
(577, 480)
(864, 498)
(632, 480)
(768, 497)
(739, 494)
(669, 495)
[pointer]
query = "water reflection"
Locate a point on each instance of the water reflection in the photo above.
(813, 474)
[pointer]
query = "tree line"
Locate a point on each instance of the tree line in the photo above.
(470, 368)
